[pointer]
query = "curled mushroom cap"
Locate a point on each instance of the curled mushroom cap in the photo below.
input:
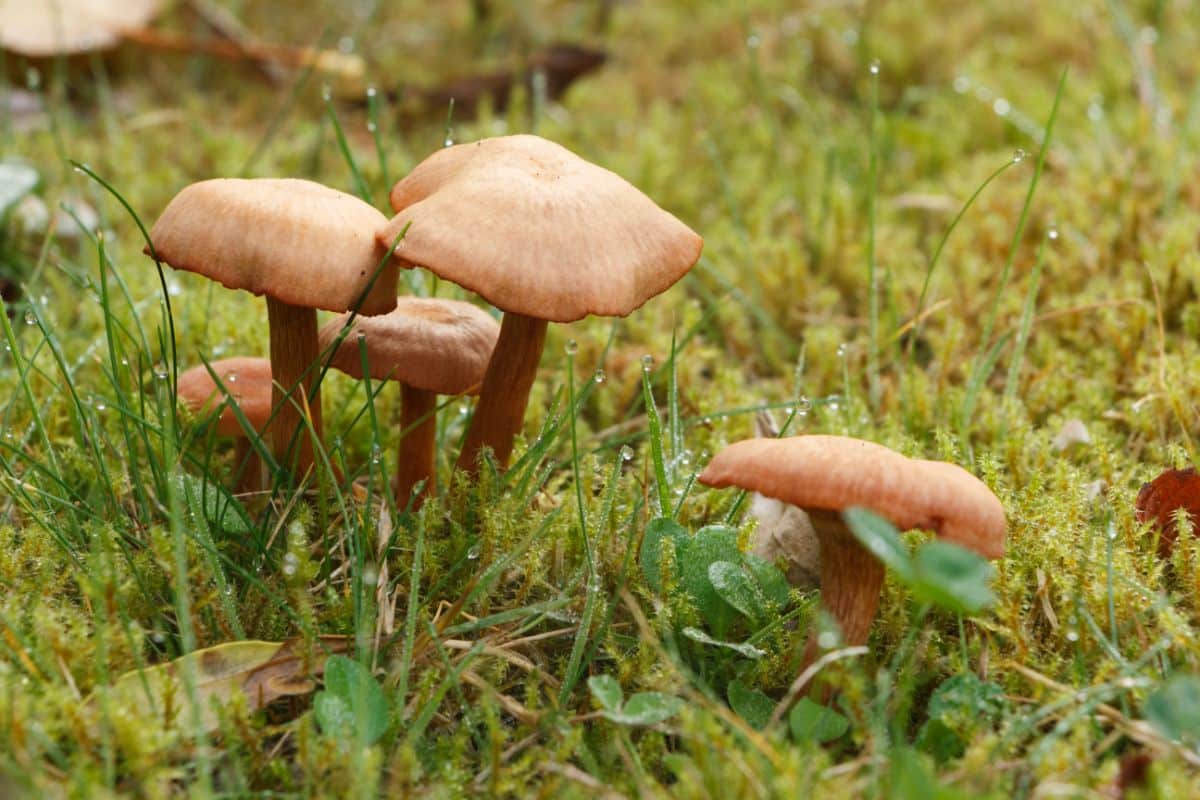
(59, 27)
(833, 473)
(826, 475)
(440, 346)
(298, 241)
(537, 230)
(248, 381)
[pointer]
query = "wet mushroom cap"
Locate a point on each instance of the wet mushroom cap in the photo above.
(300, 242)
(833, 473)
(440, 346)
(42, 28)
(247, 379)
(537, 230)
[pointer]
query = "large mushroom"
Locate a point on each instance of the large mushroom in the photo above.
(303, 245)
(826, 475)
(543, 235)
(248, 383)
(431, 347)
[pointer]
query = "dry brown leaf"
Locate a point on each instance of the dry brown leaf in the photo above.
(261, 671)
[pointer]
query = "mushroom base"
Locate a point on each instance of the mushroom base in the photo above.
(415, 462)
(504, 393)
(293, 352)
(851, 582)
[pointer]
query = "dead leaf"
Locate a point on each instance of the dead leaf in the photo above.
(261, 671)
(1159, 499)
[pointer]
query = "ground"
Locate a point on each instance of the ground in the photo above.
(951, 228)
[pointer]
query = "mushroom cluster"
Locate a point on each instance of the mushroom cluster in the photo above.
(532, 228)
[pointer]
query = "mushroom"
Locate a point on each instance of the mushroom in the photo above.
(825, 475)
(248, 381)
(431, 346)
(305, 246)
(543, 235)
(62, 27)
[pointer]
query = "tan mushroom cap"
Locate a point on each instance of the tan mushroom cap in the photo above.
(440, 346)
(833, 473)
(247, 379)
(41, 28)
(300, 242)
(536, 230)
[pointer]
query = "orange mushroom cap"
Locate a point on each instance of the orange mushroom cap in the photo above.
(833, 473)
(537, 230)
(298, 241)
(441, 346)
(247, 379)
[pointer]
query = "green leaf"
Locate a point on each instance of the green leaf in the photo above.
(661, 534)
(1175, 709)
(811, 721)
(735, 586)
(212, 502)
(16, 181)
(881, 539)
(957, 708)
(952, 577)
(607, 691)
(646, 708)
(750, 704)
(747, 650)
(710, 544)
(357, 694)
(771, 582)
(910, 777)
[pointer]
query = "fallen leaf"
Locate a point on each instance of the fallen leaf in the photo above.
(1159, 499)
(261, 671)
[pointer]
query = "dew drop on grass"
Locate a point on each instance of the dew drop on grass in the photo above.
(1072, 635)
(647, 362)
(370, 576)
(571, 347)
(599, 377)
(752, 41)
(370, 91)
(231, 377)
(1052, 234)
(30, 318)
(1019, 155)
(346, 45)
(803, 406)
(962, 84)
(626, 453)
(160, 371)
(326, 93)
(371, 127)
(1001, 107)
(448, 141)
(473, 554)
(826, 640)
(874, 67)
(1095, 111)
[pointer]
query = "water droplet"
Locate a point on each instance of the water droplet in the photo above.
(326, 93)
(346, 44)
(626, 453)
(448, 141)
(160, 371)
(571, 347)
(874, 67)
(1072, 635)
(473, 554)
(370, 576)
(174, 289)
(1001, 107)
(1095, 111)
(370, 91)
(33, 78)
(291, 563)
(371, 127)
(599, 377)
(752, 41)
(962, 84)
(100, 406)
(826, 640)
(803, 406)
(842, 350)
(231, 377)
(30, 318)
(647, 362)
(1019, 155)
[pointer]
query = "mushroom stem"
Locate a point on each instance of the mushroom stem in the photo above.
(418, 420)
(247, 466)
(851, 583)
(504, 393)
(293, 351)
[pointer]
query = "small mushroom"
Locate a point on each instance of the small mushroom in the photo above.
(543, 235)
(248, 381)
(431, 347)
(43, 28)
(826, 475)
(305, 246)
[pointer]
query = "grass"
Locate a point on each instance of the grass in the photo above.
(1002, 298)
